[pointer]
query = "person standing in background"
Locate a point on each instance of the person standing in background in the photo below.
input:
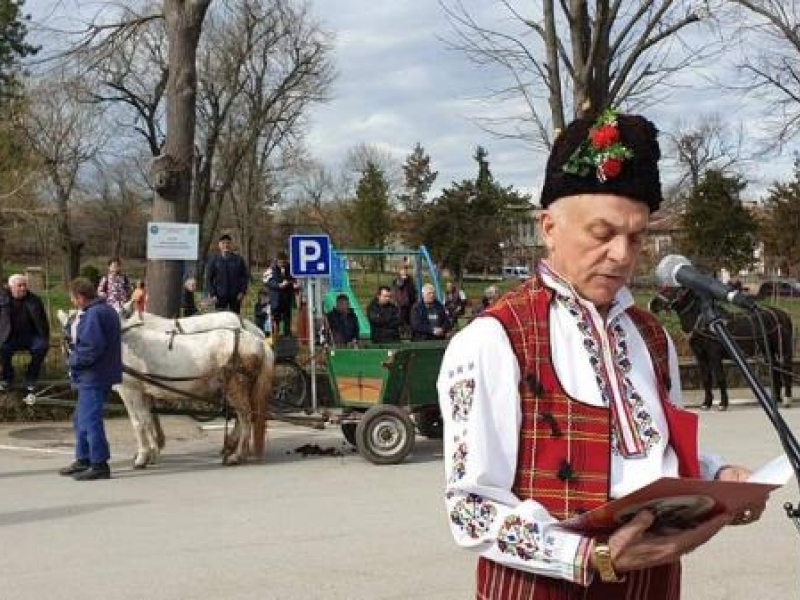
(384, 317)
(282, 290)
(227, 277)
(404, 293)
(455, 302)
(262, 313)
(429, 318)
(114, 286)
(188, 302)
(343, 323)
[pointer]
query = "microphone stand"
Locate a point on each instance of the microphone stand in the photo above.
(790, 445)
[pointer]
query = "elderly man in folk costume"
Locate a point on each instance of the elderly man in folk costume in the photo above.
(564, 395)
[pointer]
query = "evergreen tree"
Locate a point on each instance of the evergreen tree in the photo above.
(466, 224)
(718, 231)
(449, 227)
(780, 224)
(13, 47)
(371, 210)
(418, 181)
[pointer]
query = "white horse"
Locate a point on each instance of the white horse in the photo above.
(204, 357)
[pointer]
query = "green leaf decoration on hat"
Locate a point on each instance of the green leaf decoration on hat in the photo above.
(602, 152)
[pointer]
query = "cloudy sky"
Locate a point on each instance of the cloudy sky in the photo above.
(399, 84)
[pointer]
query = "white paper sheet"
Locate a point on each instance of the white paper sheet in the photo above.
(778, 471)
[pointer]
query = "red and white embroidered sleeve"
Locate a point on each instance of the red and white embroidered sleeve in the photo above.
(479, 399)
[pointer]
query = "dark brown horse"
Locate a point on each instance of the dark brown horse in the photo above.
(766, 333)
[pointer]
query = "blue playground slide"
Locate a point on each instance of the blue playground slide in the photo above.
(340, 284)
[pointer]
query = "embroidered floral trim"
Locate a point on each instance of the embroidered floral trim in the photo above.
(462, 394)
(518, 538)
(632, 414)
(459, 466)
(602, 152)
(473, 515)
(648, 434)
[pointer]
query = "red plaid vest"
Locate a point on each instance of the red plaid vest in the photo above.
(564, 451)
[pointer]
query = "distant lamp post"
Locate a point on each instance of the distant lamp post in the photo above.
(502, 247)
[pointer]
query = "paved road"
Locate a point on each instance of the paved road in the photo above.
(299, 528)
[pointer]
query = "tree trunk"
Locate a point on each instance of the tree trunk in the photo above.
(70, 247)
(171, 172)
(73, 262)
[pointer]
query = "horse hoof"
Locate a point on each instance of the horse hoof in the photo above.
(705, 407)
(722, 407)
(137, 466)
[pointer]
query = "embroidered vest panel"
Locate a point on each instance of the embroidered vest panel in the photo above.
(564, 456)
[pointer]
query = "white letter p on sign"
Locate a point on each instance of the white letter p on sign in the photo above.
(310, 251)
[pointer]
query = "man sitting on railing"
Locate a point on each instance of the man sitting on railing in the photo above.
(23, 328)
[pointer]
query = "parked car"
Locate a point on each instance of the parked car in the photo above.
(778, 289)
(518, 272)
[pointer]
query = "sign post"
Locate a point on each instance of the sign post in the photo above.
(310, 258)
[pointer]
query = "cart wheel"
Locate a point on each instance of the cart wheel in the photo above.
(430, 424)
(385, 435)
(289, 386)
(349, 432)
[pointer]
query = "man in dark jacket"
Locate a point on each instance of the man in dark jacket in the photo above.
(227, 277)
(384, 317)
(282, 289)
(429, 319)
(95, 364)
(23, 328)
(343, 323)
(405, 294)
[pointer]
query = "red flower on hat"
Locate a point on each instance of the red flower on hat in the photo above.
(602, 153)
(604, 136)
(609, 168)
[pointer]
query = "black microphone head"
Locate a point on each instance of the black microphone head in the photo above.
(668, 267)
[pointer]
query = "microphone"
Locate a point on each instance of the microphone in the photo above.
(675, 270)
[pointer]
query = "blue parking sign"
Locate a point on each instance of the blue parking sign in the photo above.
(310, 255)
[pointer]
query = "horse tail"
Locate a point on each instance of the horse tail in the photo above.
(262, 387)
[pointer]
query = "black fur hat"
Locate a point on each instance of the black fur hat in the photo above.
(613, 154)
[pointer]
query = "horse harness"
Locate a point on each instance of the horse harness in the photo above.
(234, 365)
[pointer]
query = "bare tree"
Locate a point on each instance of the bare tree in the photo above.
(62, 130)
(131, 71)
(358, 159)
(116, 208)
(771, 49)
(263, 65)
(172, 169)
(260, 65)
(567, 58)
(707, 143)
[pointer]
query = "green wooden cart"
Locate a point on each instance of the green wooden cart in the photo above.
(387, 393)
